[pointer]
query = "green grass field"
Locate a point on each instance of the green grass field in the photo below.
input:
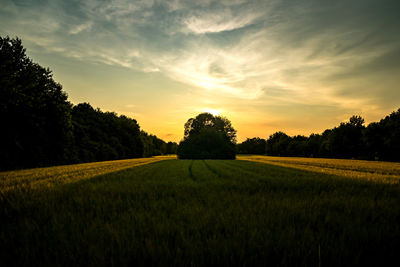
(202, 213)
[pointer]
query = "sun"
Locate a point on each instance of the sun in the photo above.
(214, 112)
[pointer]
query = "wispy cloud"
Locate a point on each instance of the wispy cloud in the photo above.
(80, 28)
(216, 22)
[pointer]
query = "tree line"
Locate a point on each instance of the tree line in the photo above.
(351, 139)
(40, 127)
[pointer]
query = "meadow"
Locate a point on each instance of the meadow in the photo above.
(254, 211)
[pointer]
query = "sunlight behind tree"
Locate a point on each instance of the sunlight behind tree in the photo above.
(214, 112)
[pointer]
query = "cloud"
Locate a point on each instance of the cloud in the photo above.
(79, 28)
(151, 69)
(218, 22)
(130, 106)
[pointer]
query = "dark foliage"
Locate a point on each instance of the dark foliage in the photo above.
(379, 141)
(41, 128)
(172, 147)
(154, 146)
(254, 145)
(34, 111)
(104, 135)
(277, 144)
(208, 137)
(382, 139)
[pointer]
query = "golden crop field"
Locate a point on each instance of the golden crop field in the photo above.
(160, 211)
(377, 171)
(47, 177)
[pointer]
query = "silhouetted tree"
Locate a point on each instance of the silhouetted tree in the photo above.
(208, 137)
(345, 141)
(373, 139)
(297, 146)
(277, 144)
(313, 145)
(104, 135)
(34, 111)
(172, 147)
(206, 120)
(254, 145)
(153, 146)
(382, 139)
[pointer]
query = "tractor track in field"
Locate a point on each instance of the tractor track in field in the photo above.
(211, 169)
(190, 168)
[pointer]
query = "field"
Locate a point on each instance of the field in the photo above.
(255, 211)
(377, 171)
(31, 179)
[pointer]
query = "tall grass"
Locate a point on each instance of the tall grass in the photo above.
(35, 178)
(203, 213)
(378, 171)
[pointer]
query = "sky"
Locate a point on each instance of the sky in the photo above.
(297, 66)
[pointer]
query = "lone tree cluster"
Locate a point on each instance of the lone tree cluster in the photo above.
(208, 137)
